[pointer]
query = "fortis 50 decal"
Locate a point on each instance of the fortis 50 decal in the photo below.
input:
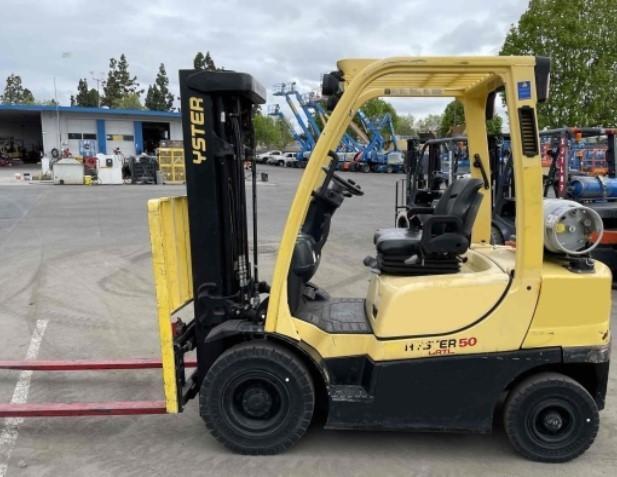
(198, 132)
(441, 346)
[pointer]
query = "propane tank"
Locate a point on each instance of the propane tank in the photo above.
(571, 228)
(585, 187)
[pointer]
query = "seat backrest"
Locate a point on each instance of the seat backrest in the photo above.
(462, 199)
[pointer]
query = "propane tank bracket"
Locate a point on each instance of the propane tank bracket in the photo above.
(580, 264)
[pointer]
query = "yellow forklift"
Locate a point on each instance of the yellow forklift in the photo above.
(451, 327)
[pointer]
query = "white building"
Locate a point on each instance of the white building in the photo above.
(38, 128)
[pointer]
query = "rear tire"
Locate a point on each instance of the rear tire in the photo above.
(257, 399)
(550, 418)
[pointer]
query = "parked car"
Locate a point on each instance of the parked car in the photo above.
(288, 159)
(264, 157)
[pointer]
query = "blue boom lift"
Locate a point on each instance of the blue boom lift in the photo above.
(374, 158)
(287, 90)
(305, 143)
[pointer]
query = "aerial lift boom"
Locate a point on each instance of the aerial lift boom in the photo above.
(286, 90)
(303, 142)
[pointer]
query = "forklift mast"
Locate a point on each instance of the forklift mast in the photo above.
(217, 109)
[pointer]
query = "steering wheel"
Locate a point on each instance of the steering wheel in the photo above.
(349, 185)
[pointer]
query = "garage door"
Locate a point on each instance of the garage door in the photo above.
(120, 134)
(78, 130)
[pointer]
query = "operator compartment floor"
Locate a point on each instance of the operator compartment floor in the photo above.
(336, 315)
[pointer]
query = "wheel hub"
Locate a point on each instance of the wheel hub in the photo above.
(553, 421)
(256, 402)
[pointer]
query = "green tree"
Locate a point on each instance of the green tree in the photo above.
(210, 66)
(284, 137)
(111, 88)
(129, 101)
(431, 123)
(493, 126)
(581, 39)
(85, 97)
(119, 84)
(264, 132)
(158, 97)
(198, 61)
(271, 132)
(377, 107)
(406, 125)
(453, 116)
(204, 62)
(128, 84)
(14, 91)
(47, 102)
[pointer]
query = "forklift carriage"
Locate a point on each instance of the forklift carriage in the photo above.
(450, 324)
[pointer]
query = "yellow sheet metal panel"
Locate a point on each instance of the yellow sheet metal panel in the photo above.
(503, 330)
(528, 174)
(574, 309)
(171, 264)
(414, 306)
(475, 113)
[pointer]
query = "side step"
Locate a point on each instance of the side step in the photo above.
(349, 393)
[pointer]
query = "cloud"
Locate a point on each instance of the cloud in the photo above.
(275, 40)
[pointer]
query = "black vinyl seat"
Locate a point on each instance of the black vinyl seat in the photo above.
(434, 246)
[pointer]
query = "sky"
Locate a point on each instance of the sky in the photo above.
(275, 41)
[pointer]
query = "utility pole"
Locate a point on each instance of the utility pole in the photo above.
(98, 80)
(57, 115)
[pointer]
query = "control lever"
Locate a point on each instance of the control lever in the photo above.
(477, 162)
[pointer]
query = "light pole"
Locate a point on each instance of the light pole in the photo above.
(57, 114)
(98, 80)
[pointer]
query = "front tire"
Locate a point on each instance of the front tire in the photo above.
(550, 418)
(257, 399)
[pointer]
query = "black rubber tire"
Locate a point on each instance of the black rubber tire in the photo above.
(549, 395)
(271, 370)
(280, 163)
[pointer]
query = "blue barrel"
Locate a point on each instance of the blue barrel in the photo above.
(592, 187)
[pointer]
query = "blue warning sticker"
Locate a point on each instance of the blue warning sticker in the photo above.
(524, 90)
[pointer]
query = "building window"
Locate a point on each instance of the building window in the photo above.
(120, 137)
(79, 136)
